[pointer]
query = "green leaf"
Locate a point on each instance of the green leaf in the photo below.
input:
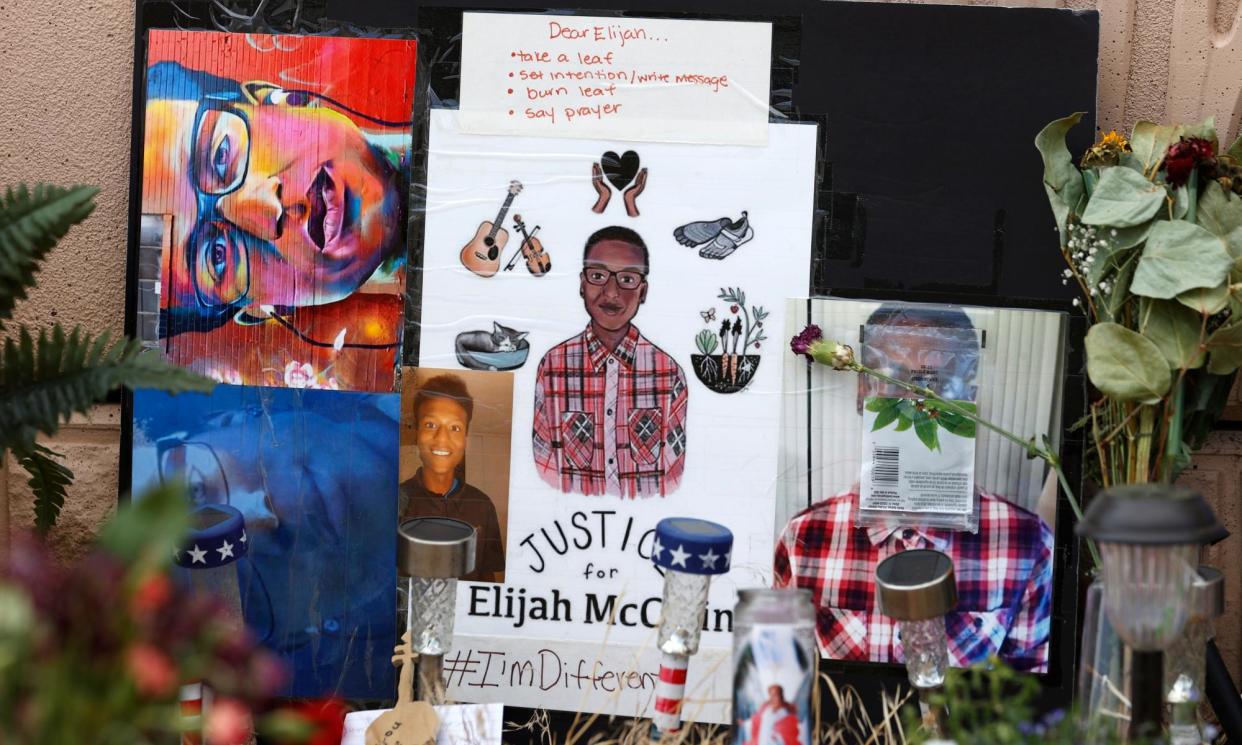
(44, 381)
(1125, 365)
(1150, 141)
(880, 403)
(1206, 300)
(925, 428)
(30, 225)
(1123, 198)
(1225, 349)
(1174, 329)
(1062, 180)
(147, 530)
(886, 415)
(49, 480)
(957, 424)
(1220, 213)
(1180, 256)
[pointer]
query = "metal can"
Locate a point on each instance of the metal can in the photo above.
(774, 667)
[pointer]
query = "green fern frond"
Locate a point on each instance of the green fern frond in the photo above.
(49, 480)
(31, 222)
(43, 381)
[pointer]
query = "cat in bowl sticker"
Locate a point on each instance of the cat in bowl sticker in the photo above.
(716, 239)
(502, 348)
(728, 355)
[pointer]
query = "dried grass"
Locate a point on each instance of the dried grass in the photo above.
(853, 725)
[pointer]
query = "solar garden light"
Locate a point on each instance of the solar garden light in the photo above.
(689, 551)
(917, 588)
(432, 554)
(1149, 537)
(1185, 675)
(206, 563)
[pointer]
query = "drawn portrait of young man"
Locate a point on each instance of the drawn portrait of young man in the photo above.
(1004, 571)
(610, 406)
(441, 415)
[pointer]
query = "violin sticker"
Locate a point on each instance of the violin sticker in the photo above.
(716, 239)
(624, 174)
(482, 254)
(538, 262)
(728, 357)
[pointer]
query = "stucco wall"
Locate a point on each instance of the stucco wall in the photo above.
(65, 68)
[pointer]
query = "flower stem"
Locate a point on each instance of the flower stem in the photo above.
(1030, 446)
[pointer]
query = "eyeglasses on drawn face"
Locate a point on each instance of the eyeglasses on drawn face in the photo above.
(219, 162)
(195, 466)
(626, 279)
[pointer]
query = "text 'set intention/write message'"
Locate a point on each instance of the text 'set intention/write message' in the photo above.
(646, 79)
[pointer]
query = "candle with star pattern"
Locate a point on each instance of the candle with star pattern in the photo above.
(207, 563)
(689, 551)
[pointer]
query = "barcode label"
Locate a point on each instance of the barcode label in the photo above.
(885, 465)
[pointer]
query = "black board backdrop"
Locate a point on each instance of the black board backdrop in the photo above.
(929, 184)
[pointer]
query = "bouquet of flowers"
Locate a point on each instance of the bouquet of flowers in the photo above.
(95, 653)
(1151, 231)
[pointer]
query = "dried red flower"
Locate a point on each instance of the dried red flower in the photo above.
(801, 344)
(1184, 156)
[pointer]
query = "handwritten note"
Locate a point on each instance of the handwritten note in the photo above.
(645, 79)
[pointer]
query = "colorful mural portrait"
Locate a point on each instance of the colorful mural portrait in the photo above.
(275, 189)
(320, 517)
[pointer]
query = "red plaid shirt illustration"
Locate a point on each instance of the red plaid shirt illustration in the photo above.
(610, 422)
(1004, 582)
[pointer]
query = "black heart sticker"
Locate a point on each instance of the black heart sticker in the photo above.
(620, 170)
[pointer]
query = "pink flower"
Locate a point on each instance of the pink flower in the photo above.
(801, 344)
(226, 375)
(299, 375)
(228, 723)
(153, 672)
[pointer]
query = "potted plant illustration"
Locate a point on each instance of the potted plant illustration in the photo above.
(728, 355)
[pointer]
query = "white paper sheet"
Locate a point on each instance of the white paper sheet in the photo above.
(655, 80)
(583, 558)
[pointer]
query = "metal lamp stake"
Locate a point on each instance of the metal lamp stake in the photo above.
(432, 554)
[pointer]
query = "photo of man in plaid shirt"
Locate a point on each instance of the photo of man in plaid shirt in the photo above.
(610, 406)
(1004, 571)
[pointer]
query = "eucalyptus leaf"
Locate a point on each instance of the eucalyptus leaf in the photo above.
(925, 428)
(1128, 160)
(1125, 365)
(1235, 150)
(1062, 180)
(1123, 198)
(1174, 329)
(1225, 349)
(1206, 300)
(1181, 203)
(1150, 141)
(1204, 131)
(1179, 256)
(1220, 213)
(1119, 290)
